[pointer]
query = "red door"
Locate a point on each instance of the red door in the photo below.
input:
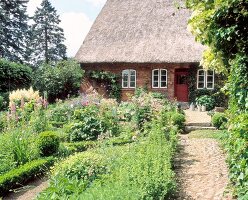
(181, 85)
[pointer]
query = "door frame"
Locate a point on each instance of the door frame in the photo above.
(183, 71)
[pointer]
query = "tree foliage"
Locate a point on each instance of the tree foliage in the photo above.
(46, 36)
(59, 81)
(14, 76)
(221, 25)
(13, 30)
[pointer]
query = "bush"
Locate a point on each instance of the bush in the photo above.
(80, 146)
(48, 143)
(59, 81)
(87, 125)
(237, 149)
(178, 120)
(74, 175)
(219, 120)
(60, 115)
(207, 101)
(19, 176)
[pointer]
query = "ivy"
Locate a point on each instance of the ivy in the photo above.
(110, 81)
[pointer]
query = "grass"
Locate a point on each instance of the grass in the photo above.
(214, 134)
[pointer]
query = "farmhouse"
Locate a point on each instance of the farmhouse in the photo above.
(147, 43)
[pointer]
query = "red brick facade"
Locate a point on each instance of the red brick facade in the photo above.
(143, 75)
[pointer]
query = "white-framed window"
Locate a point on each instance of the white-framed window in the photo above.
(159, 78)
(129, 78)
(205, 79)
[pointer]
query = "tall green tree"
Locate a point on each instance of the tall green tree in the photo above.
(46, 36)
(13, 29)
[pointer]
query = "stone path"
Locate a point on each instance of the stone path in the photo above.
(196, 120)
(197, 117)
(201, 170)
(28, 192)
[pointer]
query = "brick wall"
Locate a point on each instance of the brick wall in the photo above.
(143, 75)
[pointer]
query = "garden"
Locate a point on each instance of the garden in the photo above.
(97, 148)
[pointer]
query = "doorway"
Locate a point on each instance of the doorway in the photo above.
(181, 85)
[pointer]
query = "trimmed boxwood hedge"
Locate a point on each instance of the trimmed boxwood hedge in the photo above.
(16, 177)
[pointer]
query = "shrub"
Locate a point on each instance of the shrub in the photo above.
(80, 146)
(108, 116)
(237, 148)
(74, 175)
(48, 143)
(19, 176)
(59, 81)
(60, 114)
(207, 101)
(219, 120)
(87, 125)
(178, 120)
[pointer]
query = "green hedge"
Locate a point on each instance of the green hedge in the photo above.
(80, 146)
(24, 173)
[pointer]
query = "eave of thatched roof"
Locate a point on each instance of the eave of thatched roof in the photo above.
(140, 31)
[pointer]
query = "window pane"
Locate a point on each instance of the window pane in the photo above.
(210, 79)
(132, 84)
(200, 85)
(210, 73)
(125, 84)
(201, 72)
(132, 73)
(163, 78)
(132, 79)
(163, 73)
(125, 77)
(124, 72)
(163, 84)
(155, 78)
(201, 79)
(155, 84)
(155, 72)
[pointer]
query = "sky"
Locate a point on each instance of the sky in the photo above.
(77, 16)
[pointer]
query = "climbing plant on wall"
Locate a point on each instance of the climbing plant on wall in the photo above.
(110, 81)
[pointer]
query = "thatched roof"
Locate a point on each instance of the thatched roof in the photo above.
(140, 31)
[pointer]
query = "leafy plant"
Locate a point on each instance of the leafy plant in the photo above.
(219, 120)
(110, 81)
(59, 81)
(48, 143)
(74, 175)
(87, 124)
(207, 101)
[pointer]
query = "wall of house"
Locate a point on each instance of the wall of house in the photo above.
(143, 76)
